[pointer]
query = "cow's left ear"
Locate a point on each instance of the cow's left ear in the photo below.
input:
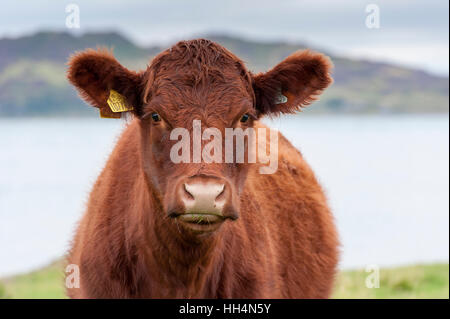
(100, 79)
(292, 84)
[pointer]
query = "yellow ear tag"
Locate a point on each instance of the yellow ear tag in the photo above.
(118, 103)
(106, 113)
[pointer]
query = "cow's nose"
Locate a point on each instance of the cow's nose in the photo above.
(204, 197)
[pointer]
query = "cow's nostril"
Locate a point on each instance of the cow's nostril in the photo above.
(187, 192)
(221, 194)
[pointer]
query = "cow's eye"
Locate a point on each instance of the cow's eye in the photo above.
(156, 117)
(244, 118)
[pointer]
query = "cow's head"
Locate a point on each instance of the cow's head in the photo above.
(198, 82)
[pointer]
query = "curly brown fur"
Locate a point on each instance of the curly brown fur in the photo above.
(284, 243)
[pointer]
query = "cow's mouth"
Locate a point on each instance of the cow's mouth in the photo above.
(201, 222)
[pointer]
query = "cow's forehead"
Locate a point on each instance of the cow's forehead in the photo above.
(211, 93)
(207, 93)
(212, 104)
(198, 77)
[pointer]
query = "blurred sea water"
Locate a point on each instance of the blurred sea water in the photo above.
(386, 178)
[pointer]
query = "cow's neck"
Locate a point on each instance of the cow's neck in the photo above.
(189, 267)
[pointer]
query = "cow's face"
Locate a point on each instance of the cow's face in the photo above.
(188, 101)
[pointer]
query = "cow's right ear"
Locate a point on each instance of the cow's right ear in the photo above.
(96, 73)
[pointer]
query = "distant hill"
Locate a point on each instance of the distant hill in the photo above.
(33, 83)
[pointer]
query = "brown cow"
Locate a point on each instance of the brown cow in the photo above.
(259, 235)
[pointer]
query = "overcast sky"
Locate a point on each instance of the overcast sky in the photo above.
(412, 32)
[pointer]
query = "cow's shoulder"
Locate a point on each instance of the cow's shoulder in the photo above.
(291, 187)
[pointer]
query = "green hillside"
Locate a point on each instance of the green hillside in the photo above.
(419, 281)
(32, 76)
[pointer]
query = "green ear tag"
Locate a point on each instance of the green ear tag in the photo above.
(281, 98)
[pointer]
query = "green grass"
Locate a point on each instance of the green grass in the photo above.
(418, 281)
(45, 283)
